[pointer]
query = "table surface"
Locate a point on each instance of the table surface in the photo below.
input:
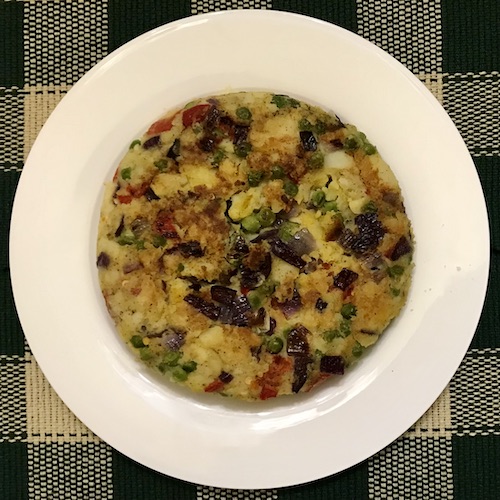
(453, 451)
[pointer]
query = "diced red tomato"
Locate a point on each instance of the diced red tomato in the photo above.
(214, 386)
(162, 125)
(165, 225)
(268, 392)
(195, 114)
(124, 198)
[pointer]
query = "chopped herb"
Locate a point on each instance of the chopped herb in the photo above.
(320, 127)
(284, 101)
(134, 143)
(255, 177)
(243, 114)
(345, 327)
(139, 244)
(351, 143)
(136, 341)
(348, 310)
(329, 335)
(126, 238)
(395, 292)
(126, 173)
(180, 267)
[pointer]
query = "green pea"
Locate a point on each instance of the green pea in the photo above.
(266, 217)
(305, 124)
(145, 353)
(255, 177)
(395, 271)
(135, 143)
(126, 173)
(291, 189)
(243, 113)
(316, 160)
(140, 244)
(345, 327)
(318, 198)
(351, 143)
(274, 345)
(126, 238)
(161, 165)
(171, 358)
(369, 149)
(357, 350)
(329, 335)
(348, 310)
(241, 150)
(287, 230)
(159, 241)
(136, 341)
(190, 366)
(179, 374)
(395, 292)
(251, 224)
(277, 172)
(330, 206)
(320, 127)
(219, 155)
(370, 207)
(283, 101)
(255, 299)
(180, 267)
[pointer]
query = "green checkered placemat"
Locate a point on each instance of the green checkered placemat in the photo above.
(453, 452)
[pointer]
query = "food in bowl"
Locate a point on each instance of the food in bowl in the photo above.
(253, 245)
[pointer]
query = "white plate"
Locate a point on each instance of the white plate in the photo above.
(211, 440)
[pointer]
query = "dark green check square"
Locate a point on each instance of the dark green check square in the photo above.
(13, 471)
(11, 44)
(340, 12)
(471, 35)
(352, 483)
(128, 19)
(476, 467)
(11, 335)
(133, 481)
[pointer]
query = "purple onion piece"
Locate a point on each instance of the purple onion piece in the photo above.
(151, 142)
(344, 279)
(223, 294)
(131, 267)
(103, 260)
(139, 225)
(151, 195)
(173, 339)
(300, 365)
(308, 141)
(204, 307)
(302, 242)
(297, 342)
(321, 305)
(332, 364)
(120, 227)
(225, 377)
(291, 306)
(401, 248)
(286, 253)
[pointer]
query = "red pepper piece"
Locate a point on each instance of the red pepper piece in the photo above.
(214, 386)
(195, 114)
(162, 125)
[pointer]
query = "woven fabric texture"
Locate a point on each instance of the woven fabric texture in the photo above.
(453, 451)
